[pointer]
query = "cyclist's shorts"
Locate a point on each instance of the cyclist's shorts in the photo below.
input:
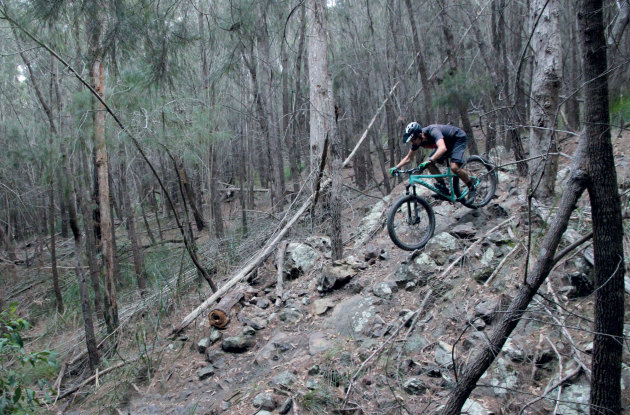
(456, 154)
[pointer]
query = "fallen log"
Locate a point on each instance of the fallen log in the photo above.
(253, 263)
(270, 245)
(280, 264)
(220, 315)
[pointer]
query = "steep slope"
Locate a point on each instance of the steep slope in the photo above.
(385, 327)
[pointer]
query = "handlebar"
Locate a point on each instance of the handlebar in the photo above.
(415, 170)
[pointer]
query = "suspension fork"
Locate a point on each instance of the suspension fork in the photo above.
(411, 209)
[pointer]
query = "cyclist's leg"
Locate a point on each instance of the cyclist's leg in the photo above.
(461, 173)
(457, 159)
(433, 169)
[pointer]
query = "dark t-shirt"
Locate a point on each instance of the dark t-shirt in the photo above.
(449, 133)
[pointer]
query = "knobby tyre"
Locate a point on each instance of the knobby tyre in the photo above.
(411, 222)
(485, 174)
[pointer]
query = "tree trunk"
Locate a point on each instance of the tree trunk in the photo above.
(146, 224)
(190, 195)
(299, 117)
(88, 318)
(460, 105)
(607, 221)
(572, 81)
(63, 210)
(323, 120)
(219, 316)
(275, 143)
(138, 261)
(336, 226)
(489, 59)
(53, 244)
(91, 243)
(470, 374)
(215, 198)
(382, 163)
(53, 132)
(427, 87)
(239, 152)
(320, 113)
(102, 171)
(546, 82)
(287, 123)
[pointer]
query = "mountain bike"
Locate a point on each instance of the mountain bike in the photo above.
(411, 220)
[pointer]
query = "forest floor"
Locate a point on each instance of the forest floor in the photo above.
(304, 354)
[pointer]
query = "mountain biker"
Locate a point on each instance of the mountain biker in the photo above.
(446, 141)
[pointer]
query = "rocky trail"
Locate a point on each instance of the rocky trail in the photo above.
(384, 330)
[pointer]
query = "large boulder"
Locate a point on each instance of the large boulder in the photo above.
(442, 246)
(335, 276)
(372, 221)
(279, 344)
(300, 258)
(575, 398)
(414, 273)
(354, 316)
(321, 243)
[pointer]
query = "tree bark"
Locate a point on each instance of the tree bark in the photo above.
(91, 243)
(323, 117)
(300, 123)
(219, 316)
(607, 221)
(460, 105)
(321, 110)
(546, 83)
(102, 170)
(190, 195)
(53, 241)
(88, 318)
(138, 260)
(427, 86)
(215, 198)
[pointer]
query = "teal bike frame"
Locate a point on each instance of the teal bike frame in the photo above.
(449, 176)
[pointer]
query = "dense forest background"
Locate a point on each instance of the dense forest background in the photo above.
(205, 122)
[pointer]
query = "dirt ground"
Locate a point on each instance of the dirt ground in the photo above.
(165, 377)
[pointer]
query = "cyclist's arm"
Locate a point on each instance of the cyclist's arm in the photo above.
(406, 159)
(439, 151)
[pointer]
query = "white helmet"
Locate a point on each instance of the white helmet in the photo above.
(411, 130)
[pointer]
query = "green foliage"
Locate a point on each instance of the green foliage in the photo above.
(457, 89)
(620, 109)
(318, 401)
(15, 395)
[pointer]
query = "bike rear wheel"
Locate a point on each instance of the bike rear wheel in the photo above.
(484, 175)
(411, 222)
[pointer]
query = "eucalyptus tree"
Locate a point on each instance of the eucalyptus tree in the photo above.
(96, 31)
(427, 85)
(605, 397)
(545, 97)
(324, 140)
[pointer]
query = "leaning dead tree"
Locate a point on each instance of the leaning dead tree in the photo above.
(270, 246)
(469, 375)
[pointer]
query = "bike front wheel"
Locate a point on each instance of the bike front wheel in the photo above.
(484, 175)
(411, 222)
